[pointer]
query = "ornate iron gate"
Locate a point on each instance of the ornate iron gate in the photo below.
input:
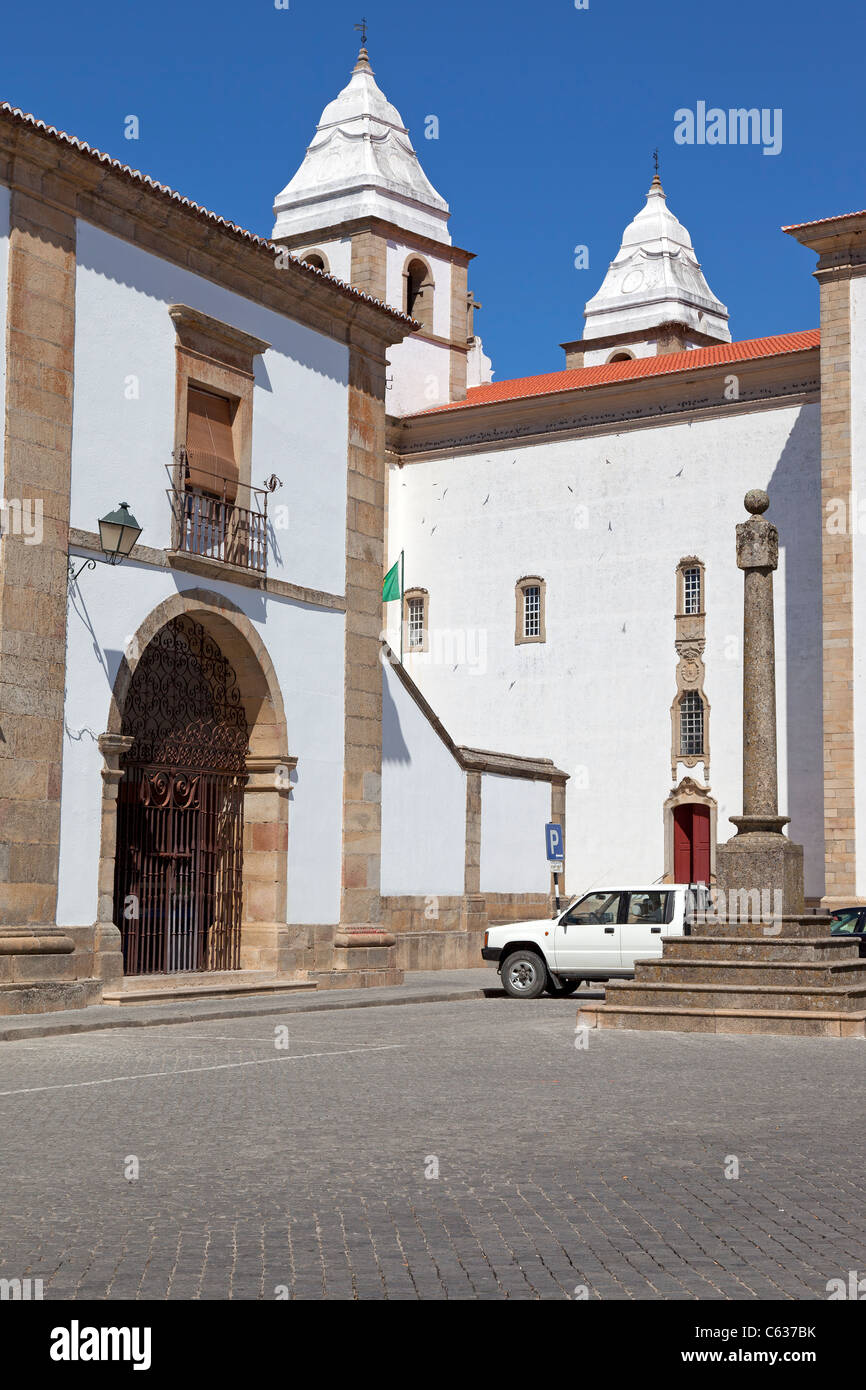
(179, 866)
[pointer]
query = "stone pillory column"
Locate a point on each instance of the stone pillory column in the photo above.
(773, 969)
(759, 857)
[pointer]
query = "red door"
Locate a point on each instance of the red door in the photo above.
(692, 844)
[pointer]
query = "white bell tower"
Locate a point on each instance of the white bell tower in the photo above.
(361, 207)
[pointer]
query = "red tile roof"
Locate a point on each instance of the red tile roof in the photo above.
(24, 118)
(582, 378)
(841, 217)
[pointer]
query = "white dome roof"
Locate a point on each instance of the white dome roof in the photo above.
(361, 164)
(655, 278)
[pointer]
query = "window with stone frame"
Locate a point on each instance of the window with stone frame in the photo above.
(415, 619)
(530, 619)
(690, 588)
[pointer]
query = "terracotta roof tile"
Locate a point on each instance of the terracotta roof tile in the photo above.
(582, 378)
(841, 217)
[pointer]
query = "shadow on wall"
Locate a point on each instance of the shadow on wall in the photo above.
(795, 507)
(394, 749)
(144, 272)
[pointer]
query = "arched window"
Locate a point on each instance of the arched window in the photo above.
(419, 292)
(691, 724)
(621, 357)
(316, 259)
(531, 621)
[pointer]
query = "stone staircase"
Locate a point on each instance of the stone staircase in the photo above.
(791, 977)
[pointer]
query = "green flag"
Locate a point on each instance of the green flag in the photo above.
(391, 587)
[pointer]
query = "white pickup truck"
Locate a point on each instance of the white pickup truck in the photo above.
(598, 937)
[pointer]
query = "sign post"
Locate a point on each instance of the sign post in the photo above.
(555, 842)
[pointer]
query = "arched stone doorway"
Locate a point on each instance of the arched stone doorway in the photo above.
(179, 864)
(229, 656)
(690, 819)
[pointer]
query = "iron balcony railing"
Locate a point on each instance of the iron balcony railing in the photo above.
(213, 525)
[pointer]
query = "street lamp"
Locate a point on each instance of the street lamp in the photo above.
(118, 533)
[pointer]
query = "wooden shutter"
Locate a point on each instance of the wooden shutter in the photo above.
(210, 445)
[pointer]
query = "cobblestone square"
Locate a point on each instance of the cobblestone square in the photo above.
(457, 1150)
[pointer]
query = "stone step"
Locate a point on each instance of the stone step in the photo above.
(805, 949)
(690, 971)
(223, 984)
(807, 926)
(356, 979)
(49, 996)
(672, 995)
(826, 1023)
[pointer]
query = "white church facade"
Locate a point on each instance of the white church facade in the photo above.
(214, 764)
(567, 538)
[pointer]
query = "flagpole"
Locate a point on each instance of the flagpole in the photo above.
(402, 591)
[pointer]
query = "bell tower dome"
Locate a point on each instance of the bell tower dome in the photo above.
(654, 298)
(360, 207)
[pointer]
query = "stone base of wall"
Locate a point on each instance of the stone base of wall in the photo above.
(447, 933)
(43, 969)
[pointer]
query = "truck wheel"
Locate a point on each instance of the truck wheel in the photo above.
(524, 975)
(563, 987)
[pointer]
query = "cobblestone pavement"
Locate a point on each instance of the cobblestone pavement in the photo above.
(266, 1172)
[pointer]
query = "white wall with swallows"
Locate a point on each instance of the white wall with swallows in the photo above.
(605, 521)
(306, 646)
(124, 407)
(5, 201)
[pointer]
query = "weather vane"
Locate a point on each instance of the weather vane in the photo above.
(362, 30)
(655, 156)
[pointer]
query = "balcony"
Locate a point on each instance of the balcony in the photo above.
(210, 523)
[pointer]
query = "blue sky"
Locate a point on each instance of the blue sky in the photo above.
(548, 118)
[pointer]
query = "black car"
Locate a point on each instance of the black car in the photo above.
(851, 921)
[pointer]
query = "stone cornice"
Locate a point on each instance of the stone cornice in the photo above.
(89, 542)
(200, 333)
(337, 230)
(39, 162)
(840, 243)
(612, 407)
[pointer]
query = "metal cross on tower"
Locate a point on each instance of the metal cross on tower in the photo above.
(362, 30)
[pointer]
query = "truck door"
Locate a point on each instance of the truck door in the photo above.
(587, 935)
(644, 925)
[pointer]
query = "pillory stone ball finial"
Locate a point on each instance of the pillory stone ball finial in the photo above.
(756, 501)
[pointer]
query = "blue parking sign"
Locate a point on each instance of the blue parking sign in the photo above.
(555, 842)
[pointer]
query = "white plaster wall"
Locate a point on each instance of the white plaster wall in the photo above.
(120, 445)
(306, 646)
(423, 801)
(4, 280)
(605, 521)
(514, 812)
(419, 373)
(856, 514)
